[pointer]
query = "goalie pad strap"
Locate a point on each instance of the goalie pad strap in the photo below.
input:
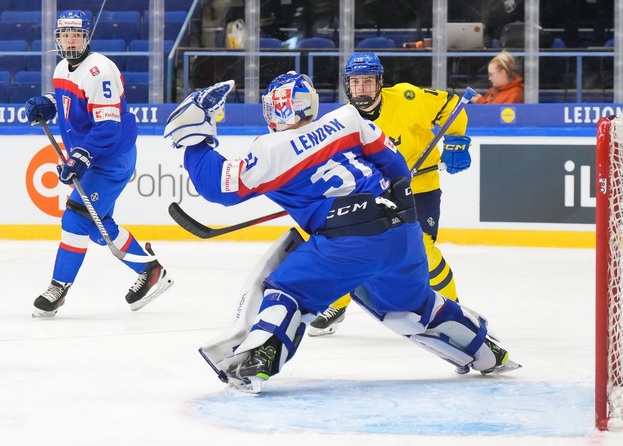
(479, 339)
(279, 331)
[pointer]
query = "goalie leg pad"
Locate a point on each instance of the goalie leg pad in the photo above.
(454, 333)
(219, 352)
(279, 316)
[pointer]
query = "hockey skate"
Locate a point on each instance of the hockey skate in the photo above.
(502, 363)
(150, 284)
(51, 300)
(250, 374)
(326, 322)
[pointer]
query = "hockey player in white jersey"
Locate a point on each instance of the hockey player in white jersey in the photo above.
(100, 135)
(347, 186)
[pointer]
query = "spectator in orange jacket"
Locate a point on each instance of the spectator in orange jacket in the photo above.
(507, 84)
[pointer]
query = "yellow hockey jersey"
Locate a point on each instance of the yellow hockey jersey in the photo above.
(408, 116)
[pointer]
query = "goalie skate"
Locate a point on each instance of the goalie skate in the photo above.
(502, 363)
(250, 374)
(150, 284)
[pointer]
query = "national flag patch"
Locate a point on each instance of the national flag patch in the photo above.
(94, 71)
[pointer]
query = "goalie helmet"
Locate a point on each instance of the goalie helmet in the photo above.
(288, 99)
(363, 64)
(72, 34)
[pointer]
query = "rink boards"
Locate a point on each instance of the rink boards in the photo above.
(526, 187)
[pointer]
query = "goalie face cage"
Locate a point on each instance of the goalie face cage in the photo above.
(609, 276)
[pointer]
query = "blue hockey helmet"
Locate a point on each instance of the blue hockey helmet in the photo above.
(288, 99)
(72, 34)
(363, 64)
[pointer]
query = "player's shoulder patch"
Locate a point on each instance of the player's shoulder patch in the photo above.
(409, 94)
(94, 71)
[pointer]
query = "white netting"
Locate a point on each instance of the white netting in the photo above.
(615, 277)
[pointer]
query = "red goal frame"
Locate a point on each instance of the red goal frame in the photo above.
(607, 269)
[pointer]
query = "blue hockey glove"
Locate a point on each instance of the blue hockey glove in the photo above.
(40, 106)
(76, 165)
(455, 153)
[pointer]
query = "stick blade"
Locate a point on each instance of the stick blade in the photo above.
(189, 223)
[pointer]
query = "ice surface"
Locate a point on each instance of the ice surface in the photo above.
(99, 374)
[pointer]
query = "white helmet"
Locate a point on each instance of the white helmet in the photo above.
(289, 98)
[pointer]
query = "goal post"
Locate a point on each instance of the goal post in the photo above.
(609, 275)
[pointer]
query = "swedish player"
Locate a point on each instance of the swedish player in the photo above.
(407, 114)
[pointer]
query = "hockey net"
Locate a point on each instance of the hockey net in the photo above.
(609, 275)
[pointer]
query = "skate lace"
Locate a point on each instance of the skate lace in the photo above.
(140, 281)
(330, 312)
(53, 293)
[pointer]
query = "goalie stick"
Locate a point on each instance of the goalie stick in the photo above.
(205, 232)
(89, 206)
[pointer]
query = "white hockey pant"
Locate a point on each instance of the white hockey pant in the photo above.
(279, 316)
(457, 337)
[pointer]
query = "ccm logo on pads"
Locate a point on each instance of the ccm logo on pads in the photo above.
(106, 114)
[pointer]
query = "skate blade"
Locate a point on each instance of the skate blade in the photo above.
(163, 285)
(40, 314)
(462, 370)
(508, 366)
(315, 332)
(253, 387)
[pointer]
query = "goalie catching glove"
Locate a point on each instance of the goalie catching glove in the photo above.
(194, 120)
(455, 153)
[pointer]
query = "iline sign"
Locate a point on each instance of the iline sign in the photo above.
(537, 183)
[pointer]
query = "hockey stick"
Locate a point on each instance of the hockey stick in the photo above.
(205, 232)
(92, 212)
(467, 96)
(202, 231)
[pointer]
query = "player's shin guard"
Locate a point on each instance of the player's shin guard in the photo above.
(272, 341)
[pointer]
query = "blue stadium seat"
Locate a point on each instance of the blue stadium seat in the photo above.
(132, 5)
(10, 62)
(120, 17)
(27, 5)
(315, 42)
(21, 16)
(141, 63)
(270, 42)
(4, 98)
(178, 5)
(28, 31)
(127, 31)
(112, 46)
(135, 77)
(5, 77)
(27, 77)
(20, 93)
(137, 93)
(171, 31)
(108, 45)
(376, 42)
(84, 5)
